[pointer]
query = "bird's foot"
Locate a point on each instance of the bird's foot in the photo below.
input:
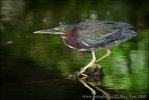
(82, 75)
(93, 69)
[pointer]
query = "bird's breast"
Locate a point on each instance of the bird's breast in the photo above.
(71, 39)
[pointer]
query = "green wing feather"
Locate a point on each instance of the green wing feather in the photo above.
(93, 32)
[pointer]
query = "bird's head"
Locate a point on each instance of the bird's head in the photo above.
(55, 30)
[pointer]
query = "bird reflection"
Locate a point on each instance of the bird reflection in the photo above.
(91, 79)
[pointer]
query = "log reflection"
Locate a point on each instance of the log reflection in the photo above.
(91, 79)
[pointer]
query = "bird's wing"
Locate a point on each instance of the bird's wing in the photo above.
(98, 32)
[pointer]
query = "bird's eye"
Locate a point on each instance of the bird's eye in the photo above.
(58, 29)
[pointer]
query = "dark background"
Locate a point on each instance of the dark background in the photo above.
(34, 67)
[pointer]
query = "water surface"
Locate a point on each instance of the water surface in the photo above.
(34, 67)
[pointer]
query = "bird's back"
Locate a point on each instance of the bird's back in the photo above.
(95, 33)
(95, 29)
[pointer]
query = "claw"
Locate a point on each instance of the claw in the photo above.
(82, 76)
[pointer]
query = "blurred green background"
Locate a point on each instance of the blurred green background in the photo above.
(33, 67)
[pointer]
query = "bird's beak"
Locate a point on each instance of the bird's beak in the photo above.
(48, 31)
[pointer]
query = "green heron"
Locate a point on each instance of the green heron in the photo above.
(93, 35)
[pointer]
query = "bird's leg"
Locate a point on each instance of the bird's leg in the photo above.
(91, 89)
(88, 65)
(106, 55)
(105, 93)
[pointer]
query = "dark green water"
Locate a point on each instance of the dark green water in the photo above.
(34, 67)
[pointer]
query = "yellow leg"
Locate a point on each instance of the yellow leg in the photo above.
(90, 64)
(106, 55)
(105, 93)
(91, 89)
